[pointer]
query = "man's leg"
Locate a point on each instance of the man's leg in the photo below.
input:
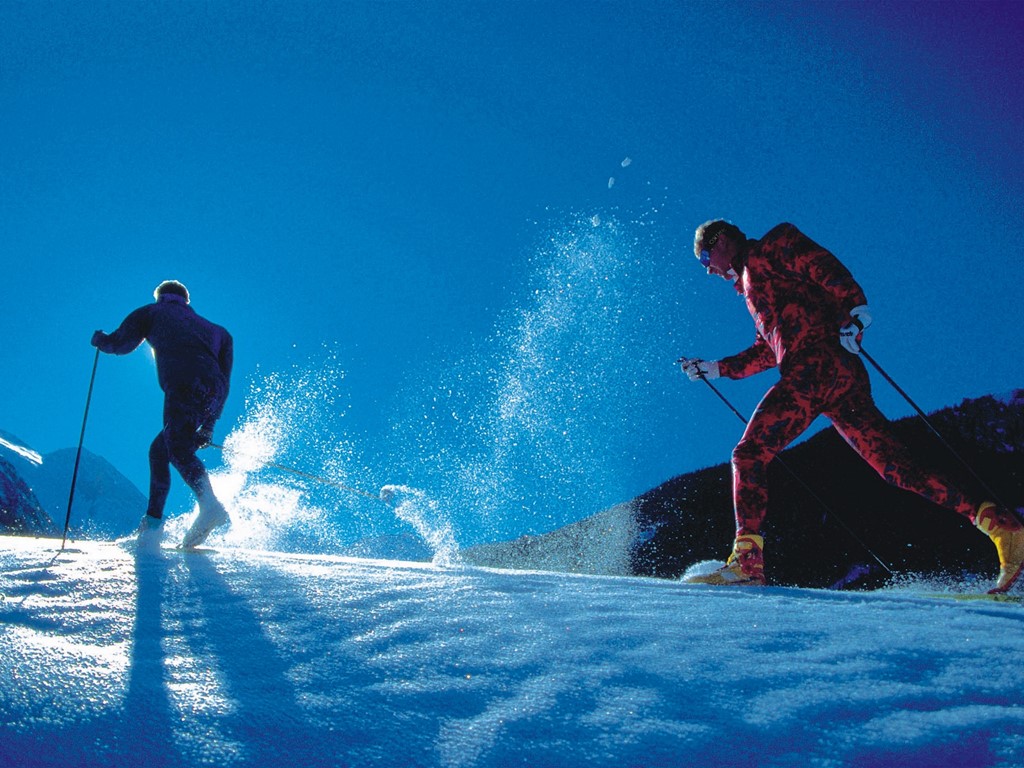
(863, 426)
(191, 410)
(183, 416)
(159, 476)
(779, 418)
(869, 433)
(782, 416)
(182, 453)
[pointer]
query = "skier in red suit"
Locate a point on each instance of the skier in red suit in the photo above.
(810, 315)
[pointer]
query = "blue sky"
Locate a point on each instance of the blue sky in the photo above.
(415, 201)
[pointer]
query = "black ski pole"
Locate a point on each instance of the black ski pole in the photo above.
(78, 456)
(994, 496)
(800, 480)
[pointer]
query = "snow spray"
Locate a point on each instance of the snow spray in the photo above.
(535, 429)
(291, 413)
(425, 515)
(532, 429)
(296, 414)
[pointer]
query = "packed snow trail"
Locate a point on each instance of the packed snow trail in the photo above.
(249, 658)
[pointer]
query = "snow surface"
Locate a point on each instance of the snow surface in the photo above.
(240, 657)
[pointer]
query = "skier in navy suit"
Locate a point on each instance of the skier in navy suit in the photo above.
(193, 362)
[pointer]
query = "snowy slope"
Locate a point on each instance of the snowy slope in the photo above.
(248, 658)
(106, 503)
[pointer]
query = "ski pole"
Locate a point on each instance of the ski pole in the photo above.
(307, 475)
(994, 496)
(78, 456)
(800, 480)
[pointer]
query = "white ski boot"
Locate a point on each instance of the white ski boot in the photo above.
(211, 515)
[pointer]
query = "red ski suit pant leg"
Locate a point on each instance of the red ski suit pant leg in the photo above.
(834, 383)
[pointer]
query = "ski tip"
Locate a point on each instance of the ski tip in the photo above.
(194, 548)
(993, 597)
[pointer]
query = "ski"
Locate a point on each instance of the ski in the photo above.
(970, 596)
(189, 550)
(810, 593)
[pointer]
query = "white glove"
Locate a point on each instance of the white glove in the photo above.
(698, 369)
(850, 334)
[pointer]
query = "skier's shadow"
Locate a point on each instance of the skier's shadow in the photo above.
(264, 713)
(146, 725)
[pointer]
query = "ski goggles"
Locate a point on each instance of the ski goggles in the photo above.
(705, 253)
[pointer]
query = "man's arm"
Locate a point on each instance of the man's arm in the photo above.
(753, 360)
(128, 336)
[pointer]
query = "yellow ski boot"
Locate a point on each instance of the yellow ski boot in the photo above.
(1007, 533)
(745, 566)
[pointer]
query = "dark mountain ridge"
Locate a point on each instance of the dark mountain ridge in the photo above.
(831, 518)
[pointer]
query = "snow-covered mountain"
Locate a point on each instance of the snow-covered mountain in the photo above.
(106, 504)
(236, 656)
(20, 510)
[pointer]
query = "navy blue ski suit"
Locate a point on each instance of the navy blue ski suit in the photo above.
(193, 364)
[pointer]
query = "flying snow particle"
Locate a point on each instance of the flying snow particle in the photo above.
(626, 162)
(611, 182)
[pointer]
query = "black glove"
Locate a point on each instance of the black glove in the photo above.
(204, 436)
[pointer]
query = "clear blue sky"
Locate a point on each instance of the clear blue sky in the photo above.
(420, 192)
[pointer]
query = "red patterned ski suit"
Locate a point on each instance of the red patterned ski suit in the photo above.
(799, 295)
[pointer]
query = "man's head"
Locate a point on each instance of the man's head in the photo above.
(172, 287)
(715, 244)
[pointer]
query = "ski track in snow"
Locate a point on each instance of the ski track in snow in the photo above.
(248, 658)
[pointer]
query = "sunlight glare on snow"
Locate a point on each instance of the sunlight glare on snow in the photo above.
(261, 511)
(265, 659)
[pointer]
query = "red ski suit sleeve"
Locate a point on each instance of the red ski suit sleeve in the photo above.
(798, 294)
